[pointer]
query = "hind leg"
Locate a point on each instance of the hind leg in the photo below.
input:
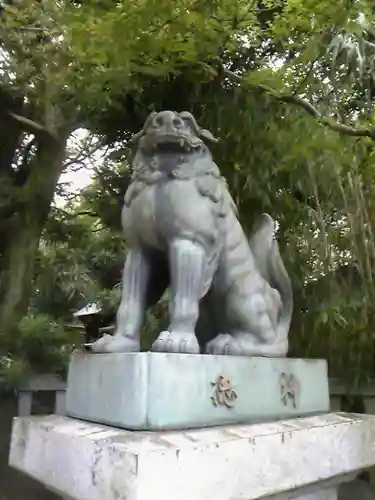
(246, 344)
(253, 331)
(260, 337)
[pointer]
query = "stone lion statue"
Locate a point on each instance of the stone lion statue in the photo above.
(182, 231)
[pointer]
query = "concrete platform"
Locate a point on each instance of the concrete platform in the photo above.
(303, 458)
(157, 391)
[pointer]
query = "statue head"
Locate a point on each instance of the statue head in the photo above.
(169, 130)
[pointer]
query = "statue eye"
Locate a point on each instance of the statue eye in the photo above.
(178, 123)
(159, 121)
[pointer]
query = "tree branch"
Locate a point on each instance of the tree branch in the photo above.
(74, 215)
(89, 213)
(30, 125)
(306, 106)
(84, 154)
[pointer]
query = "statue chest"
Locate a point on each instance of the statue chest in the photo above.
(165, 210)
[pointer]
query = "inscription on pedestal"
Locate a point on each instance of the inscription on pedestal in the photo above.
(289, 389)
(224, 394)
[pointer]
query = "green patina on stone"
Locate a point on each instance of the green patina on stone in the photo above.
(156, 391)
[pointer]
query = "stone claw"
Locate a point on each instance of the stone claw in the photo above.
(115, 343)
(179, 342)
(244, 344)
(220, 344)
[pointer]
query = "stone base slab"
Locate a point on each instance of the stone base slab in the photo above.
(302, 458)
(157, 391)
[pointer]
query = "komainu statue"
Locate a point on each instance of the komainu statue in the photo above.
(182, 231)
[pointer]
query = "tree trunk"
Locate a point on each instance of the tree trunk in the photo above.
(21, 231)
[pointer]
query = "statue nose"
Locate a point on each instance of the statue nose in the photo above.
(169, 121)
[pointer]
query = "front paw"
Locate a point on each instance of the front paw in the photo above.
(180, 342)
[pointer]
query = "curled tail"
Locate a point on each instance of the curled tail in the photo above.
(267, 257)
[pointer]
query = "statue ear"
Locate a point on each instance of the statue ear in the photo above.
(206, 134)
(200, 132)
(135, 139)
(191, 121)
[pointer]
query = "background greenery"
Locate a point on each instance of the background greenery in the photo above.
(287, 85)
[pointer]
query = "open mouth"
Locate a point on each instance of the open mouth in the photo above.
(171, 147)
(172, 142)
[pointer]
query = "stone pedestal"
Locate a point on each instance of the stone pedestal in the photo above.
(298, 451)
(156, 391)
(302, 458)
